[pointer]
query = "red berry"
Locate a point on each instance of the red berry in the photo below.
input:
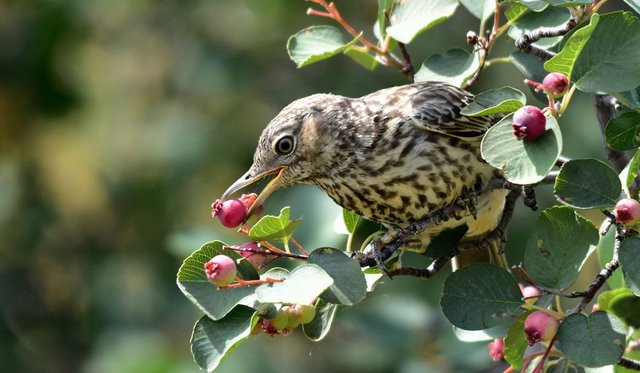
(255, 255)
(528, 123)
(555, 84)
(231, 212)
(627, 211)
(540, 327)
(221, 270)
(496, 349)
(529, 293)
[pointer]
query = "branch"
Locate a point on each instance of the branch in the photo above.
(629, 363)
(602, 277)
(606, 107)
(525, 43)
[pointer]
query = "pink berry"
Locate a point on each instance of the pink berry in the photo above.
(540, 327)
(627, 211)
(255, 254)
(528, 123)
(231, 212)
(555, 84)
(529, 293)
(496, 349)
(221, 270)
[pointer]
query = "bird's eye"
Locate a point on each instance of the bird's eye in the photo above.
(284, 145)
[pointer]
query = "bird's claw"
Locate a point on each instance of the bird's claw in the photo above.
(373, 257)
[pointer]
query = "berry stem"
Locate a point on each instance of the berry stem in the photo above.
(297, 244)
(240, 282)
(566, 99)
(540, 366)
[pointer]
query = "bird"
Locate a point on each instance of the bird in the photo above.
(398, 156)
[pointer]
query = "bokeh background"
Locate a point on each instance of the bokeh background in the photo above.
(120, 122)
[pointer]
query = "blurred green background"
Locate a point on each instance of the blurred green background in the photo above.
(120, 122)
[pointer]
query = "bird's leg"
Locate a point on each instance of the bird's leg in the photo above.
(486, 242)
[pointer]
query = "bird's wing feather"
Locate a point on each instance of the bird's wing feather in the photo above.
(436, 107)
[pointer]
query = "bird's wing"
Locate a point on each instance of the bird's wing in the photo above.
(436, 107)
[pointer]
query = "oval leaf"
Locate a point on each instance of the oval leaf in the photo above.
(481, 9)
(316, 43)
(455, 67)
(495, 101)
(318, 328)
(349, 285)
(593, 341)
(587, 184)
(304, 285)
(351, 220)
(212, 341)
(523, 162)
(192, 281)
(480, 296)
(516, 343)
(411, 17)
(633, 169)
(630, 263)
(627, 308)
(610, 61)
(557, 247)
(623, 131)
(274, 228)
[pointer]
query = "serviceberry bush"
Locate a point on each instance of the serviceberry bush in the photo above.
(559, 46)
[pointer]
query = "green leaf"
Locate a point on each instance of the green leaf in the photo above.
(550, 17)
(384, 6)
(523, 162)
(455, 67)
(610, 61)
(480, 296)
(411, 17)
(515, 11)
(532, 68)
(192, 281)
(351, 220)
(304, 285)
(317, 329)
(630, 263)
(481, 9)
(535, 5)
(274, 228)
(495, 101)
(604, 299)
(557, 247)
(630, 98)
(605, 254)
(363, 58)
(564, 61)
(633, 4)
(627, 308)
(587, 184)
(316, 43)
(516, 343)
(593, 341)
(349, 286)
(213, 341)
(623, 131)
(632, 171)
(480, 335)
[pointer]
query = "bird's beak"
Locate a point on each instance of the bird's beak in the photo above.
(248, 179)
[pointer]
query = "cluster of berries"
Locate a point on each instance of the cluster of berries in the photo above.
(529, 121)
(287, 318)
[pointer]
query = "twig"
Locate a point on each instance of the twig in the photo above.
(540, 365)
(606, 107)
(629, 363)
(525, 43)
(601, 278)
(408, 69)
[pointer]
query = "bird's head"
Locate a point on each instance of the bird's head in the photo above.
(292, 148)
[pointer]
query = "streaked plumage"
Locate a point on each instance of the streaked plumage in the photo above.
(393, 156)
